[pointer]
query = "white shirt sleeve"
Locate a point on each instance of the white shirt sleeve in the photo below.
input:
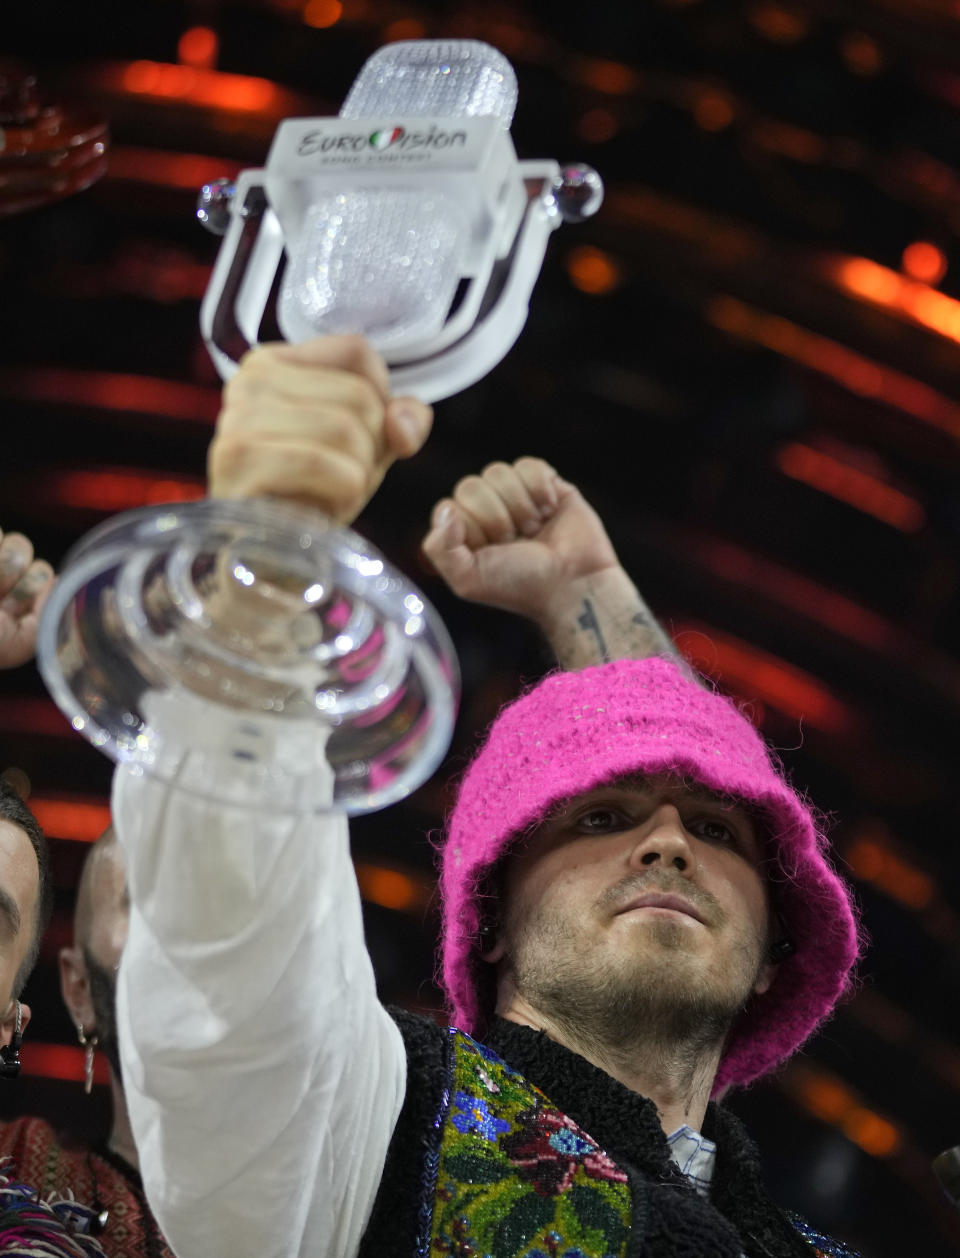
(263, 1077)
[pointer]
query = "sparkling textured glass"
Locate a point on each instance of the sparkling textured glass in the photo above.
(218, 633)
(389, 260)
(385, 261)
(444, 78)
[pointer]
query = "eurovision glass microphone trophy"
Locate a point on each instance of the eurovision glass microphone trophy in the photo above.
(182, 638)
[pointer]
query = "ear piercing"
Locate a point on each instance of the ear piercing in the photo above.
(89, 1042)
(10, 1053)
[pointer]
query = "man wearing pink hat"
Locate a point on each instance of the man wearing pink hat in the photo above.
(638, 913)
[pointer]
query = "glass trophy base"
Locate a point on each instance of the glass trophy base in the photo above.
(218, 636)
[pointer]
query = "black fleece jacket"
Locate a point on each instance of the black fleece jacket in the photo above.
(670, 1220)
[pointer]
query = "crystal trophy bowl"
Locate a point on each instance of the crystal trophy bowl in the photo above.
(246, 646)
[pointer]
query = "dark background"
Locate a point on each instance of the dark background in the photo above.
(736, 361)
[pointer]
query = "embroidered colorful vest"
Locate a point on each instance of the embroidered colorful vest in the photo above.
(510, 1176)
(515, 1178)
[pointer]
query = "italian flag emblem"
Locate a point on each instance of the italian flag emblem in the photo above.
(383, 139)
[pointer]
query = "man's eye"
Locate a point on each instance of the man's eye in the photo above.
(601, 821)
(714, 831)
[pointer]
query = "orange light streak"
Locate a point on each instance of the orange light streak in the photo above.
(885, 1018)
(109, 490)
(597, 126)
(82, 820)
(851, 370)
(847, 484)
(781, 25)
(756, 674)
(828, 1098)
(26, 714)
(162, 275)
(161, 169)
(797, 143)
(61, 1061)
(875, 1135)
(862, 54)
(723, 242)
(212, 89)
(612, 77)
(198, 47)
(111, 391)
(801, 594)
(512, 40)
(713, 110)
(322, 13)
(895, 1025)
(404, 28)
(591, 270)
(900, 294)
(897, 871)
(873, 860)
(393, 889)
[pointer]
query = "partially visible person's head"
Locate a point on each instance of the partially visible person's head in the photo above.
(24, 902)
(88, 969)
(631, 780)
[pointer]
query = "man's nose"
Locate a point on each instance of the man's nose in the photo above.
(663, 841)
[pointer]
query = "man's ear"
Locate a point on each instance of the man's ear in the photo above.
(765, 978)
(75, 987)
(495, 950)
(9, 1023)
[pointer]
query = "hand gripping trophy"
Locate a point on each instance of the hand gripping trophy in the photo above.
(184, 639)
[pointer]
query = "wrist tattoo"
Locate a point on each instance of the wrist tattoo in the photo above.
(587, 620)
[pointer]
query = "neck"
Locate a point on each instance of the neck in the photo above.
(121, 1141)
(677, 1077)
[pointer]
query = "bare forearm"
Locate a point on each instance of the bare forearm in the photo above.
(601, 618)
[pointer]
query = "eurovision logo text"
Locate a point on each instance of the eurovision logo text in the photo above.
(398, 139)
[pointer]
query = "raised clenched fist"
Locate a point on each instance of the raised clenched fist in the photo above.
(515, 536)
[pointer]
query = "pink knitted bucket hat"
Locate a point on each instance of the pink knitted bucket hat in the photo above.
(575, 731)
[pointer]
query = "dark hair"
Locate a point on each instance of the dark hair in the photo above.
(14, 810)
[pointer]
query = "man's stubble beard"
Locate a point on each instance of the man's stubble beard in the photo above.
(655, 997)
(103, 997)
